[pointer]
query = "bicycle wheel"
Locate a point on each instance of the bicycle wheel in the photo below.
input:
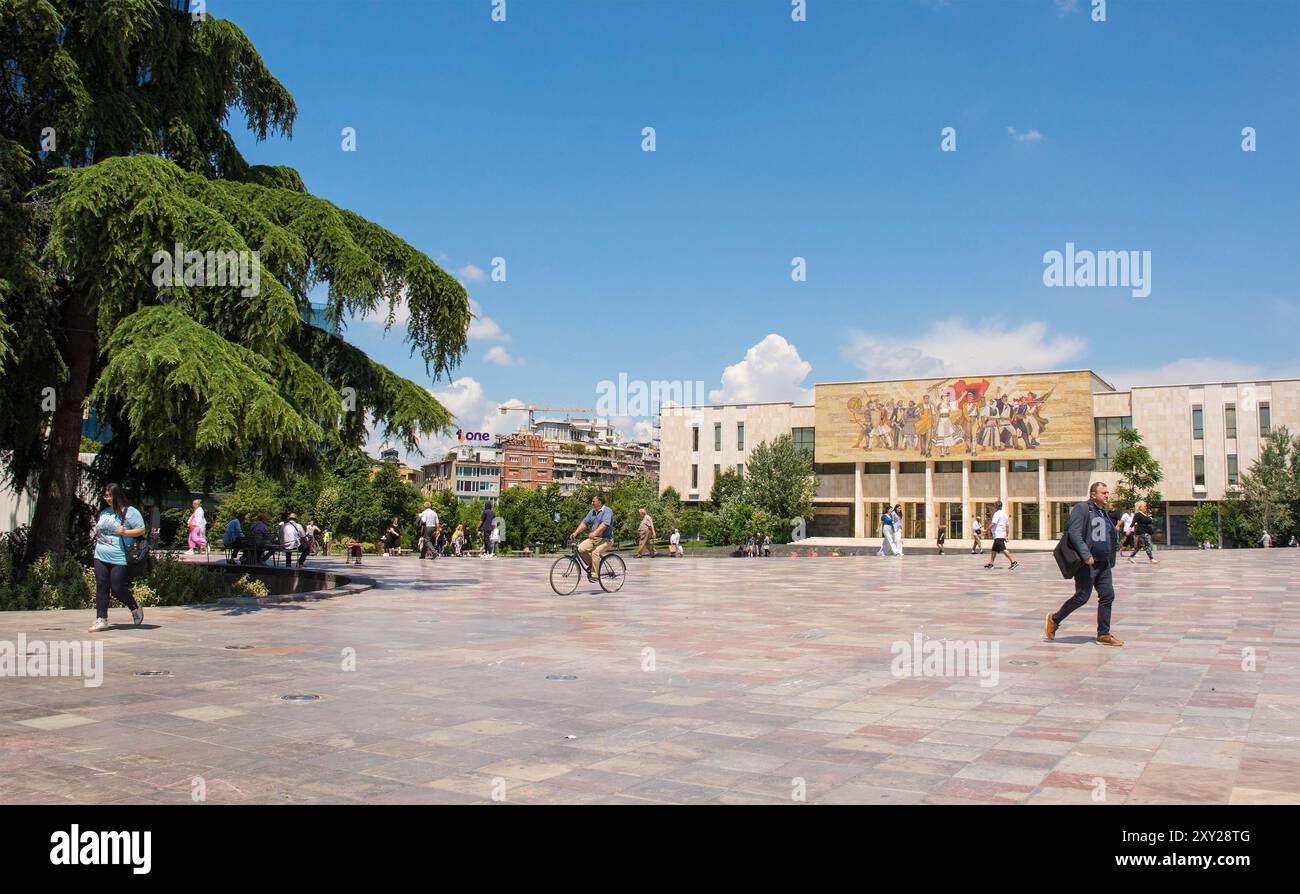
(565, 576)
(612, 573)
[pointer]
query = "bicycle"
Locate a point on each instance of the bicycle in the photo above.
(568, 571)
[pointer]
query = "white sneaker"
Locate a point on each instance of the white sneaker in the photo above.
(100, 624)
(137, 615)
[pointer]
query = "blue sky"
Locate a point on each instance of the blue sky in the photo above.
(818, 139)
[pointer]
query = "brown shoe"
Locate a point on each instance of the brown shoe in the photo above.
(1109, 640)
(1049, 629)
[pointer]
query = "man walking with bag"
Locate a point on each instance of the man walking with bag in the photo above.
(1093, 536)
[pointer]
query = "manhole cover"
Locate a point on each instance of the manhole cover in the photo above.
(51, 628)
(238, 648)
(300, 698)
(153, 673)
(1021, 662)
(808, 634)
(561, 677)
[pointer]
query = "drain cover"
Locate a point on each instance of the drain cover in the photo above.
(1021, 662)
(238, 648)
(153, 673)
(807, 634)
(561, 677)
(300, 698)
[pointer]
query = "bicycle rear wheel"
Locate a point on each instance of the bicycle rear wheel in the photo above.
(612, 573)
(565, 576)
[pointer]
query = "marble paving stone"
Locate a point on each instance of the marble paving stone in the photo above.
(450, 694)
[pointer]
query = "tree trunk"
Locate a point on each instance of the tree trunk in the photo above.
(61, 474)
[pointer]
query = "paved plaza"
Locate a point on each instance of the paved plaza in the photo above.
(703, 681)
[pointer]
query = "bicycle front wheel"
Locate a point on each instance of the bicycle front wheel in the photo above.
(612, 573)
(565, 576)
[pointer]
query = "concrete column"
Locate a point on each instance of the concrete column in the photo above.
(1044, 517)
(859, 516)
(1003, 495)
(931, 517)
(893, 483)
(965, 501)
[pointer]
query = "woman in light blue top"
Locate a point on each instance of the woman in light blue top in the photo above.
(116, 528)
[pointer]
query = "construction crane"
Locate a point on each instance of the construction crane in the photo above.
(533, 408)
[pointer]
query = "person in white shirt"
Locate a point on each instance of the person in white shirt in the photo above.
(977, 533)
(675, 541)
(1000, 523)
(429, 526)
(291, 538)
(1125, 526)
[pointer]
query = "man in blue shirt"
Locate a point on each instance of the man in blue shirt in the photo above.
(233, 539)
(1094, 537)
(600, 521)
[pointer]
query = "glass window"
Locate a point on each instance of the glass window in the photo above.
(1107, 430)
(1198, 423)
(805, 439)
(1265, 420)
(695, 474)
(1028, 521)
(717, 470)
(740, 469)
(695, 439)
(911, 468)
(1230, 420)
(985, 465)
(1023, 465)
(1069, 465)
(947, 467)
(875, 469)
(1199, 472)
(740, 436)
(717, 436)
(1232, 468)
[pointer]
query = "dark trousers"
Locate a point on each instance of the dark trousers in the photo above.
(112, 578)
(1086, 579)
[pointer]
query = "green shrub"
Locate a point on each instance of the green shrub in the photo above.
(247, 586)
(173, 582)
(48, 584)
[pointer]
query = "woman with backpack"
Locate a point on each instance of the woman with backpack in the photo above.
(116, 530)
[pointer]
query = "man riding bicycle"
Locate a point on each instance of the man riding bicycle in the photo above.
(600, 521)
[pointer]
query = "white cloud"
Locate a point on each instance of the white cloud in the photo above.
(1199, 371)
(950, 347)
(471, 409)
(1065, 7)
(1029, 136)
(772, 370)
(482, 327)
(471, 272)
(500, 356)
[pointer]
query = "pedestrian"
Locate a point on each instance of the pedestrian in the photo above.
(198, 525)
(943, 536)
(646, 534)
(261, 536)
(234, 539)
(430, 526)
(116, 529)
(1142, 533)
(1266, 541)
(313, 536)
(767, 546)
(495, 539)
(1000, 523)
(977, 533)
(886, 533)
(1126, 529)
(897, 513)
(1096, 540)
(392, 537)
(487, 522)
(457, 540)
(675, 543)
(293, 538)
(1293, 543)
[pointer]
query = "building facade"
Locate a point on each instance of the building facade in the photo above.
(471, 473)
(527, 460)
(948, 449)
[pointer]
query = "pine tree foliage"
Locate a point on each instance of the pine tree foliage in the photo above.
(137, 97)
